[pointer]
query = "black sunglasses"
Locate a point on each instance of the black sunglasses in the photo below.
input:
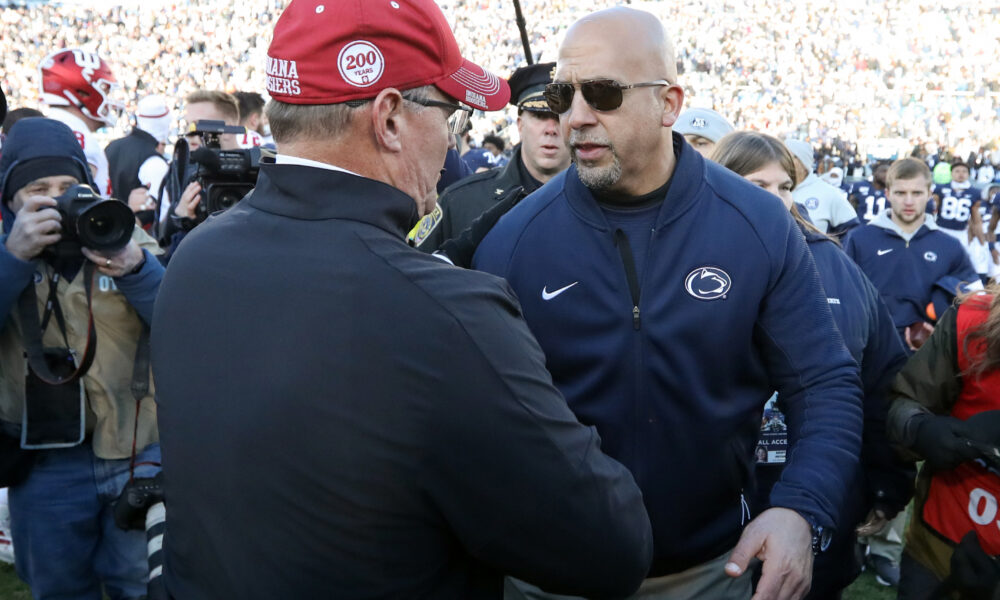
(600, 94)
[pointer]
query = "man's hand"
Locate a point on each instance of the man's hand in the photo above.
(943, 442)
(782, 539)
(139, 200)
(38, 224)
(916, 334)
(118, 263)
(976, 233)
(875, 523)
(189, 201)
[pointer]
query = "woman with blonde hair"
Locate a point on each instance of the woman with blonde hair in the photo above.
(883, 483)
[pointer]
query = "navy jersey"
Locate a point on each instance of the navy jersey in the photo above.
(867, 200)
(955, 206)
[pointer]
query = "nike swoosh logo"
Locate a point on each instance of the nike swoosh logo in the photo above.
(547, 295)
(881, 252)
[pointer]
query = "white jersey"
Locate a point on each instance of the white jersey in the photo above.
(94, 153)
(151, 174)
(250, 139)
(828, 206)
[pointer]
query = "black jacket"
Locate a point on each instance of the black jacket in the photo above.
(465, 200)
(125, 156)
(344, 416)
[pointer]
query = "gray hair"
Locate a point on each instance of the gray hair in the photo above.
(296, 122)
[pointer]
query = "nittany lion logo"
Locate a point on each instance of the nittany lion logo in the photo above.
(812, 203)
(698, 123)
(708, 283)
(930, 256)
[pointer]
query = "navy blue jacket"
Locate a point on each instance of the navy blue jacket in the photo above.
(376, 422)
(905, 272)
(730, 308)
(870, 336)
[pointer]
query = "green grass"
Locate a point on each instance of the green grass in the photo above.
(11, 588)
(865, 588)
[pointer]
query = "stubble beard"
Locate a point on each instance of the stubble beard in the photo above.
(594, 177)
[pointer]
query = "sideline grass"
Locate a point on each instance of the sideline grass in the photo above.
(865, 588)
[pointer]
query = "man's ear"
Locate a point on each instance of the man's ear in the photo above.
(673, 100)
(387, 119)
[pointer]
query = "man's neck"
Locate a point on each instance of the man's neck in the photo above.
(539, 176)
(911, 227)
(653, 180)
(91, 124)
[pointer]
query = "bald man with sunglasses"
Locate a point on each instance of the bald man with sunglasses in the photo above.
(669, 337)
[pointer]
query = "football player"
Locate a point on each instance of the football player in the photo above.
(868, 197)
(80, 89)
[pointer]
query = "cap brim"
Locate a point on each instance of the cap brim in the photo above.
(477, 87)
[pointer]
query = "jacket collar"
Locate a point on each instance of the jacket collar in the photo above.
(145, 136)
(685, 186)
(317, 194)
(884, 221)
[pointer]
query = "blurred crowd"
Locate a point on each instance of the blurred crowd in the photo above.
(855, 73)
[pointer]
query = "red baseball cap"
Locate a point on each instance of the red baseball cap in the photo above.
(332, 51)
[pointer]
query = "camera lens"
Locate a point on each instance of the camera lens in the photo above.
(228, 199)
(106, 225)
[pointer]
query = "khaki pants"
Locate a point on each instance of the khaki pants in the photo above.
(707, 580)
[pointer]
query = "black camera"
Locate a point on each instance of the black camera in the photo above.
(140, 506)
(137, 496)
(90, 221)
(225, 176)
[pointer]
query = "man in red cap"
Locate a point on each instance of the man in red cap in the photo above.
(342, 415)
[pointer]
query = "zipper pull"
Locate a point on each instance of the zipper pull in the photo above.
(635, 317)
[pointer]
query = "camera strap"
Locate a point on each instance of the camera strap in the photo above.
(140, 387)
(52, 306)
(32, 329)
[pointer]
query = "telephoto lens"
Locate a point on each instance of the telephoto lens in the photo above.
(90, 221)
(156, 517)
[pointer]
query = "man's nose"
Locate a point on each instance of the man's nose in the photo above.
(580, 113)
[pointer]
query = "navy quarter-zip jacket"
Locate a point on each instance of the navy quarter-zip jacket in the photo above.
(729, 309)
(905, 270)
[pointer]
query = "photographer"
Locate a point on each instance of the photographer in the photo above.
(76, 434)
(181, 194)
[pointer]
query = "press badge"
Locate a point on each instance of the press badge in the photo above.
(772, 444)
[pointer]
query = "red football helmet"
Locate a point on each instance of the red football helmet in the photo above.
(75, 77)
